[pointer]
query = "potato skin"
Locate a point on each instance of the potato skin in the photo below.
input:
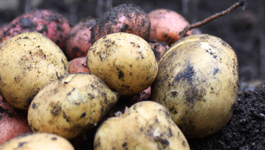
(78, 39)
(12, 123)
(197, 82)
(71, 105)
(124, 61)
(146, 125)
(37, 141)
(49, 23)
(78, 65)
(166, 25)
(122, 18)
(28, 62)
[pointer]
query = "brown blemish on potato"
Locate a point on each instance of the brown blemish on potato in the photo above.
(83, 115)
(216, 70)
(55, 108)
(54, 138)
(164, 142)
(20, 144)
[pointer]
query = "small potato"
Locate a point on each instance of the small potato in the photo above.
(71, 105)
(78, 39)
(37, 141)
(12, 123)
(28, 62)
(47, 22)
(78, 65)
(122, 18)
(124, 61)
(197, 82)
(166, 25)
(145, 126)
(159, 49)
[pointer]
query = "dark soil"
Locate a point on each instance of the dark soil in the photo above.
(246, 129)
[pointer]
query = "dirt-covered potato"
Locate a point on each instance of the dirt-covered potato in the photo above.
(49, 23)
(70, 105)
(145, 126)
(37, 141)
(12, 123)
(78, 65)
(159, 48)
(78, 39)
(28, 62)
(166, 25)
(122, 18)
(197, 82)
(124, 61)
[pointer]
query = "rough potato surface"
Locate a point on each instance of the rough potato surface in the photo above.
(71, 105)
(124, 61)
(146, 125)
(198, 82)
(28, 62)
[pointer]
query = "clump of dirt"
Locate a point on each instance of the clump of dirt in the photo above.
(246, 128)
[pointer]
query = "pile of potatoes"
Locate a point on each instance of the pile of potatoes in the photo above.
(126, 75)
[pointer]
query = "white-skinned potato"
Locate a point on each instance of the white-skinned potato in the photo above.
(124, 61)
(37, 141)
(28, 62)
(197, 82)
(145, 126)
(71, 105)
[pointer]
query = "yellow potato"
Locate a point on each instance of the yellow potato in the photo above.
(146, 125)
(71, 105)
(37, 141)
(197, 82)
(28, 62)
(124, 61)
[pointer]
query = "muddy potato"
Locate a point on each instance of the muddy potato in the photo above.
(78, 65)
(37, 141)
(12, 123)
(198, 82)
(71, 105)
(146, 125)
(122, 18)
(124, 61)
(28, 62)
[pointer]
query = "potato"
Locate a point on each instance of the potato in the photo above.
(28, 62)
(122, 18)
(49, 23)
(124, 61)
(159, 48)
(78, 39)
(145, 126)
(12, 123)
(197, 82)
(78, 65)
(71, 105)
(166, 25)
(38, 141)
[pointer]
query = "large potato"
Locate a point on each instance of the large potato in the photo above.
(124, 61)
(145, 126)
(38, 141)
(28, 62)
(198, 82)
(71, 105)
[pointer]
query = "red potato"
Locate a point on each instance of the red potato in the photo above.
(49, 23)
(78, 65)
(12, 124)
(166, 25)
(159, 49)
(78, 39)
(122, 18)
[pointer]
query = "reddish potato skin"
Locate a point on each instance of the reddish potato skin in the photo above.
(78, 39)
(122, 18)
(78, 65)
(159, 49)
(166, 25)
(12, 124)
(49, 23)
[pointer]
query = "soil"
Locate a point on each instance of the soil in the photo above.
(246, 128)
